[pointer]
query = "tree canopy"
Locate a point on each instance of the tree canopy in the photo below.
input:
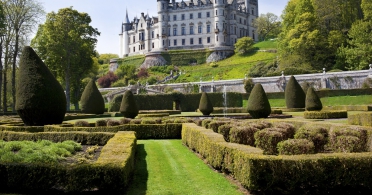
(267, 26)
(243, 45)
(66, 43)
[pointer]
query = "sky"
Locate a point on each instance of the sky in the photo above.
(107, 15)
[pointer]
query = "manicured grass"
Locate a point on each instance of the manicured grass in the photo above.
(36, 152)
(267, 44)
(168, 167)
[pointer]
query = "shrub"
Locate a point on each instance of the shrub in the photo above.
(312, 102)
(205, 105)
(258, 104)
(248, 85)
(101, 123)
(205, 123)
(243, 135)
(225, 131)
(288, 130)
(325, 114)
(295, 147)
(111, 123)
(135, 121)
(124, 121)
(148, 121)
(128, 105)
(317, 134)
(82, 124)
(260, 124)
(40, 98)
(91, 100)
(294, 95)
(268, 139)
(214, 125)
(348, 140)
(107, 80)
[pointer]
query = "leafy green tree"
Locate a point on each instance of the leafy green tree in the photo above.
(258, 104)
(105, 58)
(62, 40)
(357, 54)
(267, 26)
(2, 33)
(243, 45)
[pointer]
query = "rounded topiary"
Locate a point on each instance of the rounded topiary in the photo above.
(294, 95)
(296, 147)
(40, 98)
(91, 100)
(258, 104)
(205, 105)
(128, 106)
(312, 102)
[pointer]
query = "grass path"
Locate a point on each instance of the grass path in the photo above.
(168, 167)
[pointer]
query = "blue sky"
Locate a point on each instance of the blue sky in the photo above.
(107, 15)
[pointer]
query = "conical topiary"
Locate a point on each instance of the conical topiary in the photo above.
(128, 105)
(40, 98)
(205, 105)
(258, 104)
(312, 102)
(91, 100)
(294, 94)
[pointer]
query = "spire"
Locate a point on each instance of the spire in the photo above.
(127, 19)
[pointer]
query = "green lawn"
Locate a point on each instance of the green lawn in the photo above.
(168, 167)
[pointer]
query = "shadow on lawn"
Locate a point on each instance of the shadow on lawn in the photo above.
(138, 185)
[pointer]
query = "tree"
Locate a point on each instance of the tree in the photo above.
(91, 100)
(294, 94)
(63, 41)
(40, 97)
(2, 34)
(243, 45)
(22, 16)
(205, 105)
(312, 100)
(258, 104)
(105, 58)
(267, 26)
(128, 106)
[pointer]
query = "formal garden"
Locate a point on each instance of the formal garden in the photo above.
(181, 143)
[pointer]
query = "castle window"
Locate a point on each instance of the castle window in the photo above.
(191, 30)
(199, 15)
(192, 41)
(245, 22)
(240, 20)
(174, 17)
(200, 41)
(169, 42)
(216, 25)
(152, 34)
(191, 16)
(208, 28)
(216, 12)
(162, 16)
(217, 38)
(183, 30)
(208, 40)
(153, 45)
(252, 11)
(183, 17)
(208, 14)
(169, 31)
(134, 39)
(175, 42)
(168, 18)
(183, 41)
(134, 49)
(174, 31)
(199, 29)
(163, 6)
(163, 42)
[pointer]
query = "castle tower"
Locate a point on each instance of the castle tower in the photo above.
(124, 43)
(163, 22)
(219, 18)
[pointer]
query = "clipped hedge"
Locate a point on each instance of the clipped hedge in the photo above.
(85, 116)
(21, 128)
(296, 146)
(150, 131)
(362, 119)
(325, 114)
(284, 174)
(84, 138)
(170, 112)
(109, 174)
(159, 114)
(349, 108)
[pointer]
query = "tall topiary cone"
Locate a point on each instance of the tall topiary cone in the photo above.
(40, 98)
(312, 102)
(91, 100)
(128, 106)
(205, 105)
(294, 94)
(258, 104)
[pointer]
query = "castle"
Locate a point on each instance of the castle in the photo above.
(194, 24)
